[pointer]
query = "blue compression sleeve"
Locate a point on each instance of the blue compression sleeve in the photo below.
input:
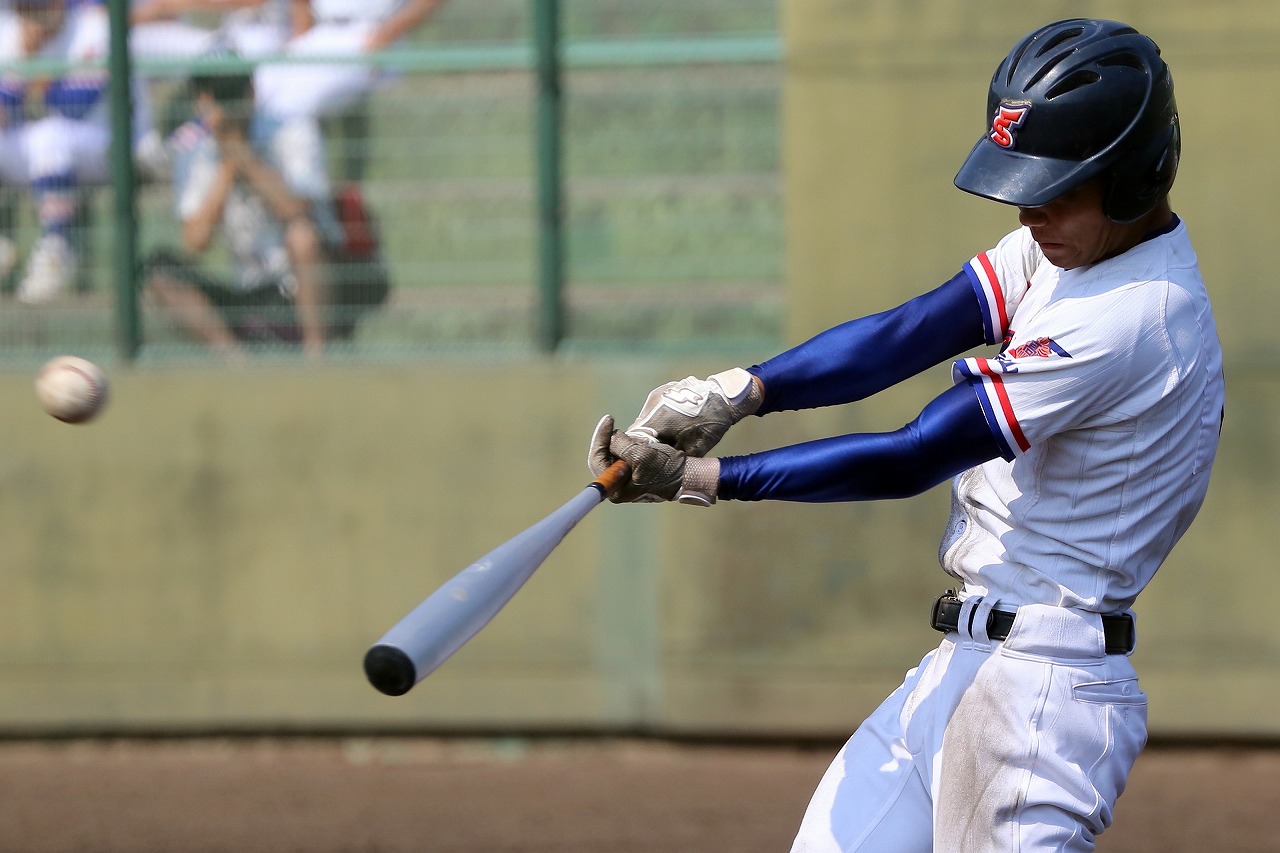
(856, 359)
(950, 436)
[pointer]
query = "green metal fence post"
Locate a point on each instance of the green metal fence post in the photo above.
(124, 184)
(546, 29)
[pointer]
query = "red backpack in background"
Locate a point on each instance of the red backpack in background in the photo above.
(359, 273)
(359, 234)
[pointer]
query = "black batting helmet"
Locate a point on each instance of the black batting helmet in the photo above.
(1074, 100)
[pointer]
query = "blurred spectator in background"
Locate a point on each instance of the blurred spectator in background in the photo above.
(294, 92)
(281, 232)
(163, 29)
(334, 29)
(55, 130)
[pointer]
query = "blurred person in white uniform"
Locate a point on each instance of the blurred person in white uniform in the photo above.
(165, 29)
(334, 29)
(55, 130)
(297, 95)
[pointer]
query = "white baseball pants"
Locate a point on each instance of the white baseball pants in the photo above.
(303, 90)
(989, 747)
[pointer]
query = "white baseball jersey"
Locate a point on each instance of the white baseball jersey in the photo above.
(1109, 396)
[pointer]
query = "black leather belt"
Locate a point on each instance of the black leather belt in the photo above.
(1117, 628)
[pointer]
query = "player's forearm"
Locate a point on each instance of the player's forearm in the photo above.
(951, 435)
(402, 22)
(301, 18)
(221, 5)
(859, 358)
(163, 10)
(154, 10)
(266, 182)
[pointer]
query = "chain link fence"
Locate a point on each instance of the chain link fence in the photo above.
(671, 218)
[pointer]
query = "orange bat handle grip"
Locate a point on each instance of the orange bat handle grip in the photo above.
(613, 477)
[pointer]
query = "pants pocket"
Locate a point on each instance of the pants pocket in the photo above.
(1121, 691)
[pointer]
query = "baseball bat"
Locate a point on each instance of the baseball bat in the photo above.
(453, 614)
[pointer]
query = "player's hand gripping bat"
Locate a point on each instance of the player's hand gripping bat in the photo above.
(464, 604)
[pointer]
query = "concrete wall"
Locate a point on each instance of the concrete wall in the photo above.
(220, 549)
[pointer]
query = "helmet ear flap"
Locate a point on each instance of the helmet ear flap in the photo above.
(1140, 180)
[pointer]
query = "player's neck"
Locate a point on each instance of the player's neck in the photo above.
(1142, 229)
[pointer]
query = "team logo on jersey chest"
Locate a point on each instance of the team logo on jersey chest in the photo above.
(1008, 118)
(1039, 348)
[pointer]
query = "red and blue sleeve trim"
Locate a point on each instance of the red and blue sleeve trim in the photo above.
(995, 404)
(986, 284)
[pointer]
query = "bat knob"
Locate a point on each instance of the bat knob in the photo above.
(390, 670)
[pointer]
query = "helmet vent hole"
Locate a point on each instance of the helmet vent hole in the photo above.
(1044, 70)
(1071, 82)
(1126, 60)
(1011, 64)
(1063, 36)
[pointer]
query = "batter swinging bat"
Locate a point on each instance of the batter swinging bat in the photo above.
(455, 612)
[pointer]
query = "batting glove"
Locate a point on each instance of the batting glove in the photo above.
(694, 414)
(659, 472)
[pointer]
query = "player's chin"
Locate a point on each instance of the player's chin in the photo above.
(1058, 254)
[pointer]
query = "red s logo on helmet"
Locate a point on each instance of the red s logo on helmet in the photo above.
(1008, 119)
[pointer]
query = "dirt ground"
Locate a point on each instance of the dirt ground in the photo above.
(550, 796)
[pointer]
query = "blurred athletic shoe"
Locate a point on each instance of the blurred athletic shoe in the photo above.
(50, 269)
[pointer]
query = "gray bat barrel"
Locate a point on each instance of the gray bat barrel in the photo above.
(451, 615)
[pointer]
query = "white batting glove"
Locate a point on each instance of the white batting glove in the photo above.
(659, 472)
(694, 414)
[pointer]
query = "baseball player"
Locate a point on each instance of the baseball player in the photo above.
(159, 29)
(333, 29)
(55, 153)
(297, 94)
(1078, 455)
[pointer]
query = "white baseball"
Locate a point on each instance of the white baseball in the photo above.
(71, 389)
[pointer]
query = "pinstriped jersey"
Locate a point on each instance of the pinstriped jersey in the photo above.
(1106, 398)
